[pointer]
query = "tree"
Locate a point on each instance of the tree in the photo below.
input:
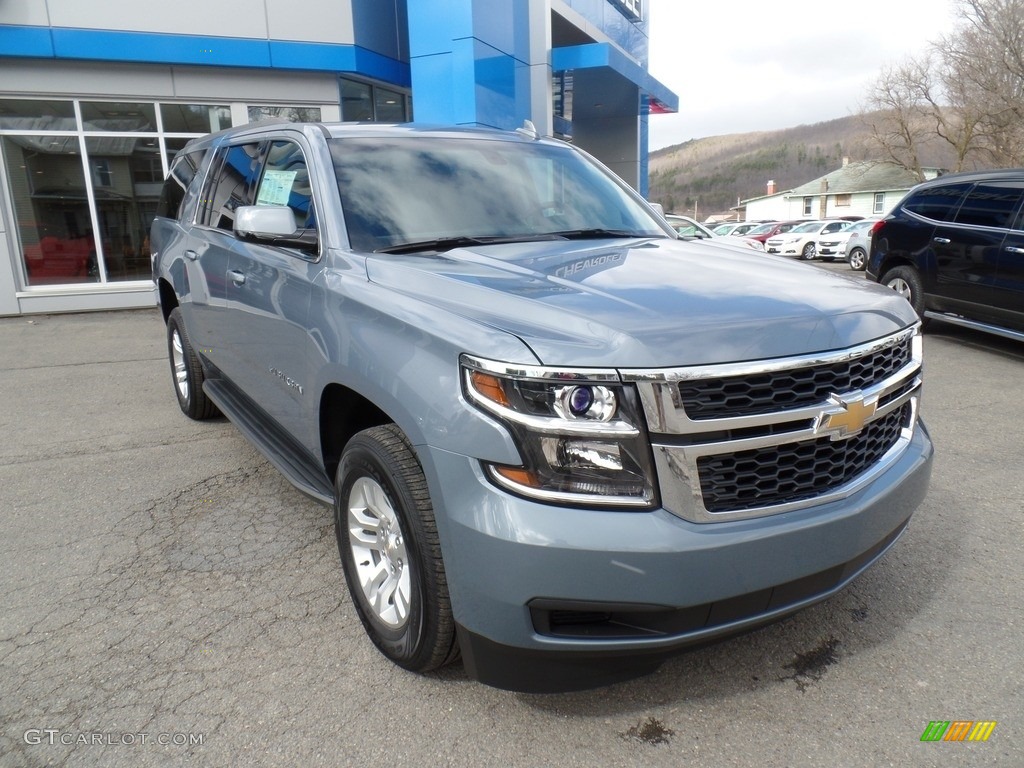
(966, 94)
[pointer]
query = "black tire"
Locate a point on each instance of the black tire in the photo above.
(381, 494)
(906, 282)
(186, 371)
(809, 252)
(858, 259)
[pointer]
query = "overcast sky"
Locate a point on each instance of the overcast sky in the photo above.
(758, 65)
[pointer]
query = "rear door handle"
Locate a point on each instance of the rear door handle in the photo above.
(236, 277)
(942, 240)
(191, 255)
(1014, 249)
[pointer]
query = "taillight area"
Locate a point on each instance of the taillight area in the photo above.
(875, 227)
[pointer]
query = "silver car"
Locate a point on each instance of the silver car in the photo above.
(858, 244)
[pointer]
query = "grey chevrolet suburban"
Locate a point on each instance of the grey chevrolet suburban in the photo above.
(558, 440)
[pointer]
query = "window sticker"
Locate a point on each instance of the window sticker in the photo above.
(276, 187)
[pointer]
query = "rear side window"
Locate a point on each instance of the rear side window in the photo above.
(990, 204)
(937, 203)
(183, 170)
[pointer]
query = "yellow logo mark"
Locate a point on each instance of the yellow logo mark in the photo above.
(855, 413)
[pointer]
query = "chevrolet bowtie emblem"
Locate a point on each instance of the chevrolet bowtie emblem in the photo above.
(854, 411)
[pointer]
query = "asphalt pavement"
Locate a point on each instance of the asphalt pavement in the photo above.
(168, 599)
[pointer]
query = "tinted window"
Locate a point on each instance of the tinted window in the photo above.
(404, 190)
(990, 204)
(183, 171)
(938, 203)
(232, 185)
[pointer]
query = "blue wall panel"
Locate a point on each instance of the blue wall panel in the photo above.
(25, 41)
(107, 45)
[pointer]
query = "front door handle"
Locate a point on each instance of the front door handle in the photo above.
(1014, 249)
(236, 277)
(942, 240)
(191, 255)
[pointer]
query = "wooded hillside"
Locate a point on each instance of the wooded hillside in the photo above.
(714, 172)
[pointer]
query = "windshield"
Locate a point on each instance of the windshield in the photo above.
(811, 226)
(762, 229)
(412, 190)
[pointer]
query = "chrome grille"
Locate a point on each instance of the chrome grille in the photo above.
(717, 398)
(743, 440)
(794, 471)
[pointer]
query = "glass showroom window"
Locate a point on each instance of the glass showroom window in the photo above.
(362, 102)
(84, 188)
(291, 114)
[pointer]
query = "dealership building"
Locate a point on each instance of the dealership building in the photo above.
(95, 99)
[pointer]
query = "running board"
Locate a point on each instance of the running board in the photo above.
(291, 459)
(957, 320)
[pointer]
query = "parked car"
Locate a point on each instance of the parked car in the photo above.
(771, 228)
(557, 439)
(858, 243)
(735, 228)
(802, 240)
(689, 228)
(954, 248)
(832, 245)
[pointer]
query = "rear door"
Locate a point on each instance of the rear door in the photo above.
(231, 183)
(1008, 290)
(967, 248)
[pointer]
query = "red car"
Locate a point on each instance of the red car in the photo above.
(770, 228)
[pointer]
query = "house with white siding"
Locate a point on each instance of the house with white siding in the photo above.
(866, 188)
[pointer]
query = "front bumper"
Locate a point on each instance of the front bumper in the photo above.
(544, 596)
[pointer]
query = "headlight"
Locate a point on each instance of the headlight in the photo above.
(579, 433)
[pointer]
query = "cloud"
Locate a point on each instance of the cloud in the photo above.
(748, 65)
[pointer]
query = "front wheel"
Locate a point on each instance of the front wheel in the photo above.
(858, 258)
(809, 252)
(387, 538)
(907, 283)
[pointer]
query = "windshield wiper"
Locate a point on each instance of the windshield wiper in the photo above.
(441, 244)
(597, 234)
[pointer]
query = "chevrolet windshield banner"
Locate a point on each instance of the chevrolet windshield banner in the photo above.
(633, 9)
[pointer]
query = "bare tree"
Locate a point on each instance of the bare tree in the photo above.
(967, 93)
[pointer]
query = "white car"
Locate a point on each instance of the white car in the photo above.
(832, 246)
(688, 228)
(802, 241)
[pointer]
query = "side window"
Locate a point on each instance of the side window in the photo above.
(285, 181)
(231, 183)
(808, 201)
(990, 204)
(879, 205)
(833, 227)
(183, 171)
(937, 203)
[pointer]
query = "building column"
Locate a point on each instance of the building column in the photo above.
(481, 62)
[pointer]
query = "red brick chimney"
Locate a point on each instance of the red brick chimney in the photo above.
(771, 186)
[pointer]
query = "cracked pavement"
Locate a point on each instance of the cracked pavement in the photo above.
(160, 578)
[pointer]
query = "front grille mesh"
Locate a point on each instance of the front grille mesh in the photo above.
(795, 471)
(750, 395)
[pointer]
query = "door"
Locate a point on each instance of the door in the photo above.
(967, 249)
(1008, 291)
(231, 184)
(268, 295)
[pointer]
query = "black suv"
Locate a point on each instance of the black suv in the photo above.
(954, 247)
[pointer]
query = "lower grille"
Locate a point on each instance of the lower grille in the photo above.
(795, 471)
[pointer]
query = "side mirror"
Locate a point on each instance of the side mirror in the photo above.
(273, 225)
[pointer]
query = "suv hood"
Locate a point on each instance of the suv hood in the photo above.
(647, 302)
